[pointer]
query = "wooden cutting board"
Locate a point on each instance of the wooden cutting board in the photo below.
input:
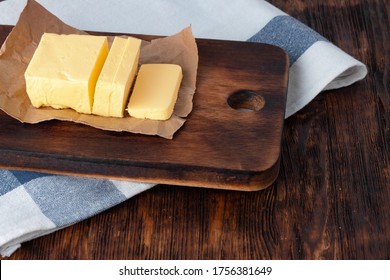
(231, 139)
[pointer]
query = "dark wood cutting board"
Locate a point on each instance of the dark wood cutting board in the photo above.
(221, 145)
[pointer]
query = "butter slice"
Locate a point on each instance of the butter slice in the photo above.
(64, 69)
(117, 76)
(155, 91)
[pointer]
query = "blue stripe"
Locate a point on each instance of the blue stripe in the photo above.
(11, 179)
(289, 34)
(27, 176)
(66, 200)
(8, 182)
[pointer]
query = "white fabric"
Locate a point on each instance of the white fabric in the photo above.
(215, 19)
(136, 188)
(312, 73)
(24, 220)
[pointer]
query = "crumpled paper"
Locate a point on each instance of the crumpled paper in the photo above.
(21, 43)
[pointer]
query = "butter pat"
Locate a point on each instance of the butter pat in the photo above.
(117, 76)
(155, 91)
(64, 69)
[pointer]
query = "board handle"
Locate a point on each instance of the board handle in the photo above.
(246, 100)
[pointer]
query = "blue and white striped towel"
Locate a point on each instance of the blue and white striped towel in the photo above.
(34, 204)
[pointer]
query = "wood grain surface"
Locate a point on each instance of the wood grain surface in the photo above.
(219, 146)
(330, 200)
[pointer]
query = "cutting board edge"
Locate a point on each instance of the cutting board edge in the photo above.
(199, 177)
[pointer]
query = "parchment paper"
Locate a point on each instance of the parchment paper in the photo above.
(19, 47)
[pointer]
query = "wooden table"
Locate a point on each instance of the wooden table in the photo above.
(330, 201)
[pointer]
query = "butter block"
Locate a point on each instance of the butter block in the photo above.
(64, 69)
(155, 91)
(117, 76)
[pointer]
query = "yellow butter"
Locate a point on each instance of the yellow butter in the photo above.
(117, 76)
(64, 69)
(155, 91)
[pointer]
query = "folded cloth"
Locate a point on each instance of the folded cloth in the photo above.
(34, 204)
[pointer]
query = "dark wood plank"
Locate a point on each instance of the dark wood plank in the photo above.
(343, 141)
(331, 198)
(211, 150)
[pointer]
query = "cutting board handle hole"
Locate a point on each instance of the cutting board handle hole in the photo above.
(246, 101)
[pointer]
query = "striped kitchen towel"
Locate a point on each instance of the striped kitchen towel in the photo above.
(34, 204)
